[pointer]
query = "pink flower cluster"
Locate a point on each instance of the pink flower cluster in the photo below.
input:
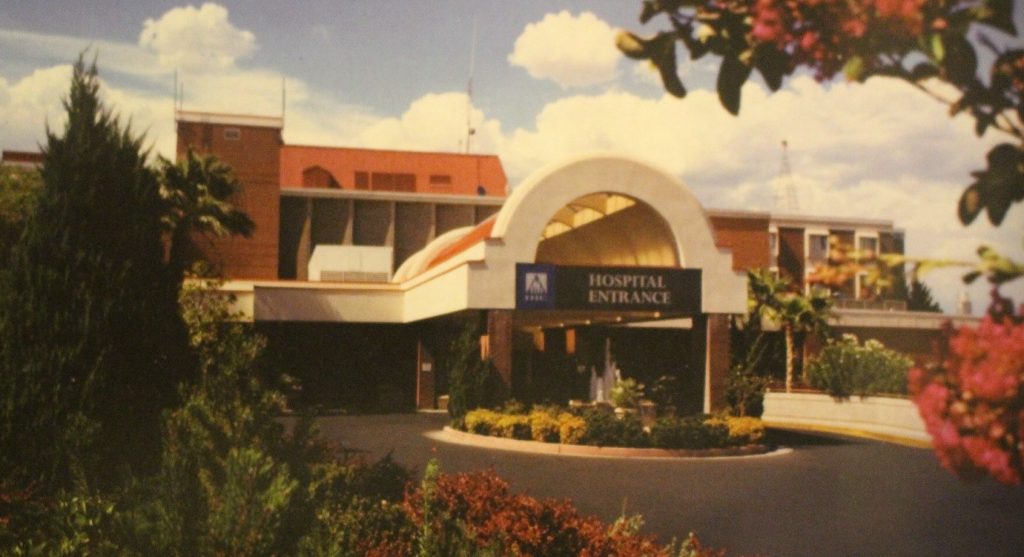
(972, 403)
(824, 34)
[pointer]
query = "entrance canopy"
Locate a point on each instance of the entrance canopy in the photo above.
(589, 212)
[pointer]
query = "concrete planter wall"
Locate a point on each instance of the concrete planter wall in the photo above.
(894, 419)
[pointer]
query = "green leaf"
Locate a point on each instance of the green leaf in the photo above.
(772, 64)
(731, 77)
(971, 277)
(981, 123)
(663, 54)
(1004, 183)
(854, 69)
(923, 71)
(1000, 16)
(650, 9)
(960, 64)
(969, 205)
(938, 49)
(631, 45)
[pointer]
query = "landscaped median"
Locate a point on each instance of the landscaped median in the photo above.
(598, 432)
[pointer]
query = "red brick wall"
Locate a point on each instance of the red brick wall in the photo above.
(747, 237)
(255, 158)
(452, 173)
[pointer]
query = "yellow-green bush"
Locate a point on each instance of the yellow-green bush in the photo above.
(512, 426)
(482, 421)
(742, 430)
(571, 428)
(544, 426)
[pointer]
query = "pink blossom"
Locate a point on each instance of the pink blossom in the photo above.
(988, 456)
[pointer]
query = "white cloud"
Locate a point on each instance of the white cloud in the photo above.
(29, 104)
(196, 39)
(434, 122)
(572, 51)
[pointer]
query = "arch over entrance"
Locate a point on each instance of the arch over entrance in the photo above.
(582, 224)
(658, 222)
(608, 229)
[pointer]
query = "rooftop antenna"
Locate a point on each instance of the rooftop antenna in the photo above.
(470, 131)
(785, 187)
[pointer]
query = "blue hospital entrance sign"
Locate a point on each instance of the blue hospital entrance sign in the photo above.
(608, 288)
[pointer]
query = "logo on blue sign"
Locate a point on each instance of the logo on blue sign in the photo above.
(535, 286)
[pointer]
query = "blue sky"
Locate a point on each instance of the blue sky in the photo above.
(548, 84)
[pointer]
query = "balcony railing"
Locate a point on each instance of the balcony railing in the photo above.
(877, 305)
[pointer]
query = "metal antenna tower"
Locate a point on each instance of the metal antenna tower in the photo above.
(785, 187)
(470, 131)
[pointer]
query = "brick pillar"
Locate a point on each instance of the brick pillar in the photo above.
(426, 375)
(717, 362)
(499, 334)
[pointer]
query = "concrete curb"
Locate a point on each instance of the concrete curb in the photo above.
(893, 420)
(454, 436)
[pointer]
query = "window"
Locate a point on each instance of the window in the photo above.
(817, 248)
(440, 180)
(388, 181)
(867, 246)
(362, 181)
(232, 134)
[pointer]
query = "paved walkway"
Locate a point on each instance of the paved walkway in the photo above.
(829, 496)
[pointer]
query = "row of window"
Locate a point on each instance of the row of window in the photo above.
(817, 246)
(395, 181)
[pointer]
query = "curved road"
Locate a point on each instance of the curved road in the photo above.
(829, 496)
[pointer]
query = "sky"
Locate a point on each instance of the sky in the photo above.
(547, 83)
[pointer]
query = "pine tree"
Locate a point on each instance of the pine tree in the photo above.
(919, 298)
(91, 343)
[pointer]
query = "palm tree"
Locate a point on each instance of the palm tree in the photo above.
(774, 299)
(196, 192)
(802, 314)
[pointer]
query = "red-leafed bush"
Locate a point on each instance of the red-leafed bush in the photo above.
(519, 524)
(972, 403)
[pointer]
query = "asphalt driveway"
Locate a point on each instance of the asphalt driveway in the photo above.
(829, 496)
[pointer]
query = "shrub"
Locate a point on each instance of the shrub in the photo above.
(626, 393)
(472, 382)
(972, 402)
(571, 429)
(482, 421)
(544, 426)
(744, 392)
(742, 430)
(845, 368)
(479, 507)
(688, 433)
(513, 426)
(605, 430)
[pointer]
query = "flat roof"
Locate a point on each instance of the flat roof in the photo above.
(229, 119)
(411, 197)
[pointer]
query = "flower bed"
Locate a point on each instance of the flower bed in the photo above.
(602, 429)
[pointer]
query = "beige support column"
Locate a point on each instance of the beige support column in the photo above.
(499, 337)
(350, 211)
(389, 240)
(426, 379)
(305, 251)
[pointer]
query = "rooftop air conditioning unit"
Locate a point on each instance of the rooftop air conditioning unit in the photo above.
(338, 263)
